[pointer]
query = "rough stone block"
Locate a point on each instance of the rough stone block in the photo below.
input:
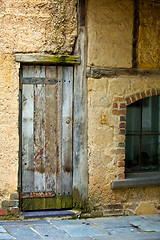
(95, 214)
(146, 208)
(14, 196)
(5, 204)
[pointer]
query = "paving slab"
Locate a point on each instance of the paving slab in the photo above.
(22, 232)
(155, 218)
(122, 230)
(82, 238)
(2, 230)
(146, 225)
(70, 222)
(137, 236)
(114, 222)
(6, 236)
(19, 223)
(79, 228)
(50, 232)
(117, 228)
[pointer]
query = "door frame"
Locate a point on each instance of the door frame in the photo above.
(80, 165)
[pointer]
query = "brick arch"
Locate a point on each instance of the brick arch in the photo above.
(120, 108)
(137, 96)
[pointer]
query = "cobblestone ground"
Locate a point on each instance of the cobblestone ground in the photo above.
(117, 228)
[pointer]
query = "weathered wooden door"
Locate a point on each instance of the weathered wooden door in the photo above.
(46, 137)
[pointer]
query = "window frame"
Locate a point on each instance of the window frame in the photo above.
(123, 180)
(140, 135)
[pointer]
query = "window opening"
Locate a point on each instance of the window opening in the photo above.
(143, 135)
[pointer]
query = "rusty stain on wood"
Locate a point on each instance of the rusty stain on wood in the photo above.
(37, 194)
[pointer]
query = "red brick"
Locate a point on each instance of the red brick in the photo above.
(122, 105)
(115, 105)
(121, 176)
(143, 94)
(122, 118)
(121, 164)
(122, 125)
(138, 96)
(128, 100)
(119, 112)
(148, 93)
(121, 170)
(158, 91)
(121, 138)
(153, 92)
(133, 98)
(3, 212)
(122, 132)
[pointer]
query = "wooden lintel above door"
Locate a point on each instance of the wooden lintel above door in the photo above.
(47, 59)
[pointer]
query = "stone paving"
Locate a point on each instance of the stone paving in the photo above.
(117, 228)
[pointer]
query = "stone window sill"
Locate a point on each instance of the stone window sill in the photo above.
(137, 180)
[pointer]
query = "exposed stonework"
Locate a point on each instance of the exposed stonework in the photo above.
(107, 101)
(38, 26)
(111, 88)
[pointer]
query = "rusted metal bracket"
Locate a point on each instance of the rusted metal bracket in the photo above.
(39, 80)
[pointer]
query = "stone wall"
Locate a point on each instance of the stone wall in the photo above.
(110, 48)
(106, 151)
(149, 34)
(26, 26)
(110, 26)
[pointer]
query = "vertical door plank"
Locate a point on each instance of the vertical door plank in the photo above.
(51, 137)
(39, 138)
(67, 99)
(25, 71)
(59, 141)
(27, 138)
(39, 130)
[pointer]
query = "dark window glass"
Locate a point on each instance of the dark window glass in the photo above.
(143, 135)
